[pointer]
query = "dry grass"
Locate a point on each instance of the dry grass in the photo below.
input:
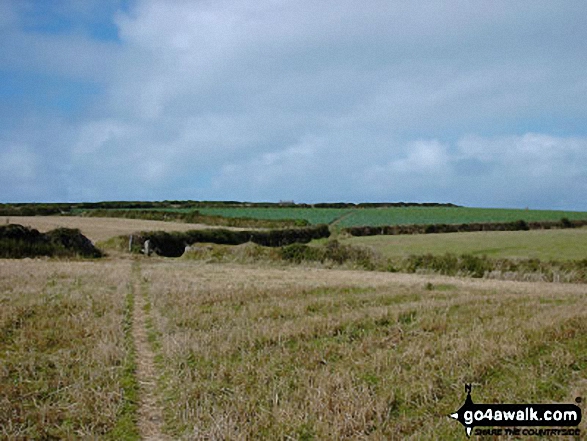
(250, 352)
(100, 229)
(62, 349)
(305, 353)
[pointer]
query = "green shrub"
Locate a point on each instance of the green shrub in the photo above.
(332, 251)
(299, 253)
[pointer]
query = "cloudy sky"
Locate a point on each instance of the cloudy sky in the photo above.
(479, 103)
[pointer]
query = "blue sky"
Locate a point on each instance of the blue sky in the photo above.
(471, 102)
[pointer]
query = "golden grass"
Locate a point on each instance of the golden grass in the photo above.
(62, 348)
(251, 352)
(100, 229)
(300, 353)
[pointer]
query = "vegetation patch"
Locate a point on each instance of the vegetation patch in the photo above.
(332, 251)
(17, 241)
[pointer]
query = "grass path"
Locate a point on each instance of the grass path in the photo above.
(150, 412)
(340, 218)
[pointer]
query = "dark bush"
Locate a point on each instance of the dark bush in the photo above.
(520, 225)
(74, 240)
(566, 223)
(17, 241)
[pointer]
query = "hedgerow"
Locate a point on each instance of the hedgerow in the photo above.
(173, 244)
(519, 225)
(195, 216)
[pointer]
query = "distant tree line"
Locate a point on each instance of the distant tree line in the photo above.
(46, 209)
(195, 217)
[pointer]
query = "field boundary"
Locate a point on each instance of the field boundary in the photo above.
(520, 225)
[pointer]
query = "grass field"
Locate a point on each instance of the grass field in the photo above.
(395, 216)
(246, 352)
(297, 353)
(64, 361)
(566, 244)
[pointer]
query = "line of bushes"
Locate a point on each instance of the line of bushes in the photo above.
(195, 217)
(174, 244)
(17, 242)
(519, 225)
(334, 253)
(469, 265)
(574, 271)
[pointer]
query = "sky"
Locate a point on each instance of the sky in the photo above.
(477, 103)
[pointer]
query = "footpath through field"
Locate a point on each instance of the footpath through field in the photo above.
(150, 412)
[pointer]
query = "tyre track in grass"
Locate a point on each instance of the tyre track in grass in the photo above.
(150, 412)
(336, 222)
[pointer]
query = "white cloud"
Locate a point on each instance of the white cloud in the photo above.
(19, 173)
(18, 163)
(310, 100)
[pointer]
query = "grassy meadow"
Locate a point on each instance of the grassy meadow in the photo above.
(301, 353)
(563, 244)
(257, 352)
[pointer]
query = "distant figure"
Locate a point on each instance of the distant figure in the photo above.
(147, 250)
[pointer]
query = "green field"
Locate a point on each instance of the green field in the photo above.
(567, 244)
(343, 217)
(312, 215)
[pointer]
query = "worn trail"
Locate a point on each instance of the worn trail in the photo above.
(150, 412)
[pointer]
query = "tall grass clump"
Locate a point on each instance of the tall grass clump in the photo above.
(333, 251)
